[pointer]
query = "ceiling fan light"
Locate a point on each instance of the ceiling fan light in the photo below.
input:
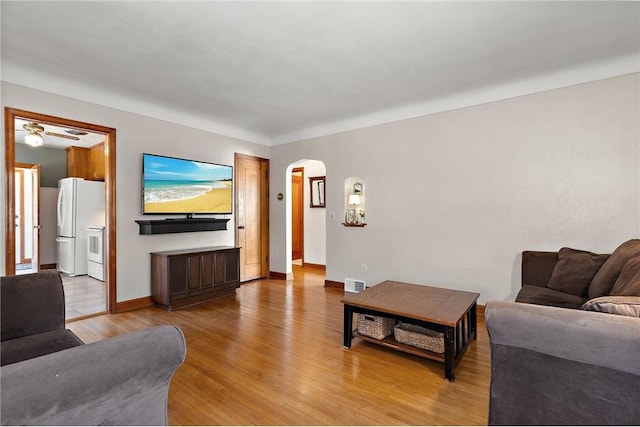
(34, 140)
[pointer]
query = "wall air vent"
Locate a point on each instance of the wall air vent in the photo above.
(354, 285)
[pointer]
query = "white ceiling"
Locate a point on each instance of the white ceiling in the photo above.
(276, 72)
(53, 141)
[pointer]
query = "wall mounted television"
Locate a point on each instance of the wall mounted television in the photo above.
(181, 186)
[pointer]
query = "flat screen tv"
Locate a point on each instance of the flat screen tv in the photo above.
(181, 186)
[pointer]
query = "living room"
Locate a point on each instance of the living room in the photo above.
(456, 186)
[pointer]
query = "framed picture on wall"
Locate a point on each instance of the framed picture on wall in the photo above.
(317, 191)
(351, 216)
(321, 193)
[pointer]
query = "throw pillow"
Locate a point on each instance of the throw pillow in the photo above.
(605, 277)
(628, 283)
(574, 271)
(625, 306)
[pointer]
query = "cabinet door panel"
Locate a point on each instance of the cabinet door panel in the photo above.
(77, 162)
(194, 273)
(220, 264)
(96, 162)
(232, 267)
(207, 270)
(177, 275)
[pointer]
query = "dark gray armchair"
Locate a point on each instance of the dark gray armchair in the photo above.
(557, 366)
(49, 377)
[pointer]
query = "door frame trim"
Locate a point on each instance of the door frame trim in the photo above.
(10, 114)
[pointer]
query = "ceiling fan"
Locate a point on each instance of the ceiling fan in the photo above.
(35, 138)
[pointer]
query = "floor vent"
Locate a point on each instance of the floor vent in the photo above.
(353, 285)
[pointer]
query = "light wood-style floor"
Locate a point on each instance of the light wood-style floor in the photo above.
(273, 355)
(83, 296)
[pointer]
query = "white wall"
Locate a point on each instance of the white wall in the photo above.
(315, 219)
(135, 134)
(453, 198)
(48, 220)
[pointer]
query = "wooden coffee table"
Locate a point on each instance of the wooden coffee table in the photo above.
(444, 310)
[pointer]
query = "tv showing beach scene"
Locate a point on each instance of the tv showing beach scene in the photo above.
(176, 186)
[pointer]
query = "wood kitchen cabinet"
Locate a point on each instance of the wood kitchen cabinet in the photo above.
(95, 170)
(182, 278)
(77, 162)
(87, 163)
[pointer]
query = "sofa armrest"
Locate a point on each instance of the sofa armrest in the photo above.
(118, 381)
(31, 304)
(600, 339)
(557, 366)
(537, 267)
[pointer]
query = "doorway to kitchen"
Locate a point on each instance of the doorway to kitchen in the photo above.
(49, 131)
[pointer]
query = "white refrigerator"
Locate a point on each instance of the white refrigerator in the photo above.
(80, 204)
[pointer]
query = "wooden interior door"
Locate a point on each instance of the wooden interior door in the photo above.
(252, 215)
(297, 213)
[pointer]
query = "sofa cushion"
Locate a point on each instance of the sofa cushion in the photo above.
(545, 296)
(31, 304)
(623, 305)
(628, 283)
(605, 278)
(23, 348)
(574, 271)
(537, 267)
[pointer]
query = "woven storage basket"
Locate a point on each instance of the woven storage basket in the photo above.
(377, 327)
(420, 337)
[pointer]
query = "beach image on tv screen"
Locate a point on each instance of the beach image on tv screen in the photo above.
(186, 186)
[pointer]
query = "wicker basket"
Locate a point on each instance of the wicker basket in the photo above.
(377, 327)
(420, 337)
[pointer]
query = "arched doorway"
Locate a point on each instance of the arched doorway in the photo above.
(308, 215)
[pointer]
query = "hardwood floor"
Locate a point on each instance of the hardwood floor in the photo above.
(273, 355)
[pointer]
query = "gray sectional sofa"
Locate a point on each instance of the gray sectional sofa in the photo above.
(555, 366)
(50, 377)
(570, 278)
(567, 352)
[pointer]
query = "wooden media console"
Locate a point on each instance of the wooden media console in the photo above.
(186, 277)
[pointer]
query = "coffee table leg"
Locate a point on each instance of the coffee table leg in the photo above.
(348, 326)
(449, 353)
